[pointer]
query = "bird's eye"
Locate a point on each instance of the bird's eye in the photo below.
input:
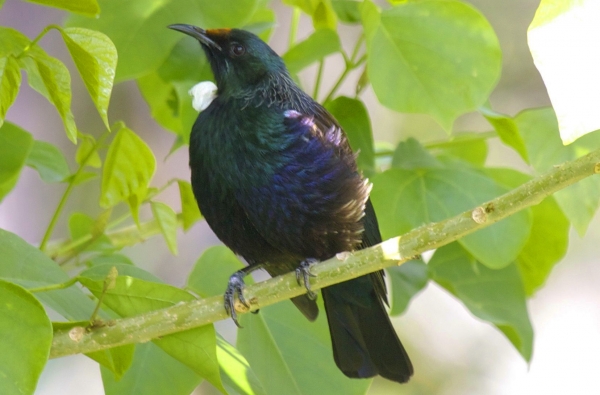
(237, 49)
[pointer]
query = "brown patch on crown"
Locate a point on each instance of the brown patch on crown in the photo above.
(218, 32)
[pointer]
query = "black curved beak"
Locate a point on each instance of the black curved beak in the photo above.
(196, 32)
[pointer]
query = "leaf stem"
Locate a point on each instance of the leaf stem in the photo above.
(318, 80)
(296, 12)
(53, 287)
(67, 193)
(392, 252)
(351, 64)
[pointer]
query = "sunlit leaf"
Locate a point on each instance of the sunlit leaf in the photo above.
(96, 59)
(189, 208)
(347, 10)
(496, 296)
(127, 171)
(51, 78)
(563, 38)
(15, 145)
(507, 130)
(10, 81)
(49, 162)
(437, 57)
(86, 153)
(167, 222)
(321, 12)
(539, 129)
(26, 334)
(84, 7)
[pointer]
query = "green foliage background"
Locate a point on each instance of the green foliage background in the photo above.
(440, 58)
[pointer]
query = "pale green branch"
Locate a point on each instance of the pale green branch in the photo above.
(345, 266)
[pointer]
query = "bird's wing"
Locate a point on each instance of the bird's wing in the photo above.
(313, 203)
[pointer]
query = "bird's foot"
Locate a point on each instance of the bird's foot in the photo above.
(303, 275)
(235, 288)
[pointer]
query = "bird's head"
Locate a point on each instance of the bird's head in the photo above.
(239, 59)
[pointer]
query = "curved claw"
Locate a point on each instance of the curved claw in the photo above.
(235, 287)
(303, 275)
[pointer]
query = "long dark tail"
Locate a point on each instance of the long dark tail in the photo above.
(364, 342)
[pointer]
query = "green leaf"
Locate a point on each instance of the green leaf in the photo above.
(84, 7)
(212, 270)
(321, 12)
(354, 119)
(189, 208)
(83, 226)
(10, 81)
(87, 154)
(288, 354)
(12, 42)
(407, 199)
(96, 59)
(507, 130)
(470, 147)
(49, 162)
(27, 266)
(438, 57)
(238, 377)
(15, 145)
(539, 129)
(347, 10)
(139, 30)
(127, 172)
(549, 238)
(291, 355)
(196, 348)
(153, 372)
(496, 296)
(562, 38)
(167, 222)
(320, 44)
(410, 154)
(51, 78)
(406, 281)
(26, 334)
(118, 359)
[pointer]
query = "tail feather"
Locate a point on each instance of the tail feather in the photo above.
(364, 341)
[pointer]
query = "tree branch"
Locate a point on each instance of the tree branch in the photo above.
(344, 266)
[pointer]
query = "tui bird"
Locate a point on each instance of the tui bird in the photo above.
(276, 180)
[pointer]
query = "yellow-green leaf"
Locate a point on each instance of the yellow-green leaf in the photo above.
(95, 56)
(84, 7)
(15, 145)
(189, 208)
(127, 171)
(167, 222)
(50, 77)
(26, 334)
(86, 153)
(10, 81)
(49, 162)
